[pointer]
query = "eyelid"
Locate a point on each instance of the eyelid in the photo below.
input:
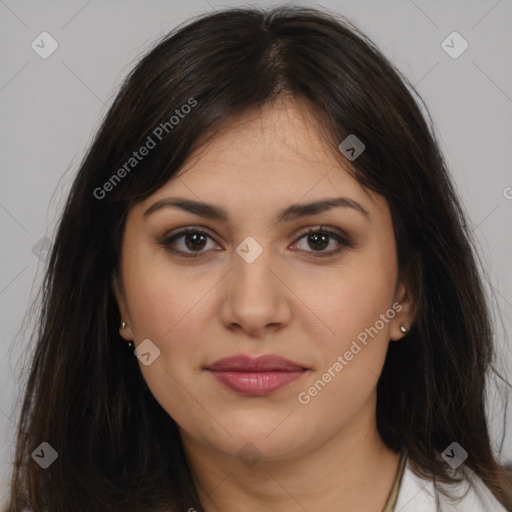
(324, 229)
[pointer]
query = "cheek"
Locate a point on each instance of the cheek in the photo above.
(349, 301)
(160, 298)
(357, 309)
(351, 359)
(173, 308)
(165, 307)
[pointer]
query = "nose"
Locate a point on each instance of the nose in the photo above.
(256, 298)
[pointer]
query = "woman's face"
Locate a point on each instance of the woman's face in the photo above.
(259, 285)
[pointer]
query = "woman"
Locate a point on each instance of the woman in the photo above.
(262, 292)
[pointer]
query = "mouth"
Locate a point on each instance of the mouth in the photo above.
(258, 376)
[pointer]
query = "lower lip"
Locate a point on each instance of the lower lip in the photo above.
(256, 383)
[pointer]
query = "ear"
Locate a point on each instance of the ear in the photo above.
(404, 309)
(118, 290)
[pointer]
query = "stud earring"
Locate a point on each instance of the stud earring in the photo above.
(129, 343)
(403, 329)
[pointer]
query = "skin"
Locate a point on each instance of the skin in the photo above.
(327, 454)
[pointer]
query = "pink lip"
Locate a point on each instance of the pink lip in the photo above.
(255, 376)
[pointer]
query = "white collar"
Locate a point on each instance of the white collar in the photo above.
(471, 495)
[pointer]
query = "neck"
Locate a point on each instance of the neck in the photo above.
(351, 470)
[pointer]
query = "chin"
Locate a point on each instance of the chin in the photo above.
(272, 440)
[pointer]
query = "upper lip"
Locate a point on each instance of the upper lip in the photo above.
(264, 363)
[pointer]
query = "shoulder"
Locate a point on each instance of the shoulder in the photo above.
(470, 495)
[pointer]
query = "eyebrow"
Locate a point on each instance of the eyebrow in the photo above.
(288, 214)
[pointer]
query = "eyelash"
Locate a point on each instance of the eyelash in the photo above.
(344, 242)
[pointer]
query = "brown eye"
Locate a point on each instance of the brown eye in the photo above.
(319, 239)
(194, 241)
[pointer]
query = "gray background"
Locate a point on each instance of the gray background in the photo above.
(51, 107)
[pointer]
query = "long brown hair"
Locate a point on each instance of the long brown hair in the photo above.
(85, 394)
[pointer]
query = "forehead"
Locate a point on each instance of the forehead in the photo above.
(284, 131)
(266, 158)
